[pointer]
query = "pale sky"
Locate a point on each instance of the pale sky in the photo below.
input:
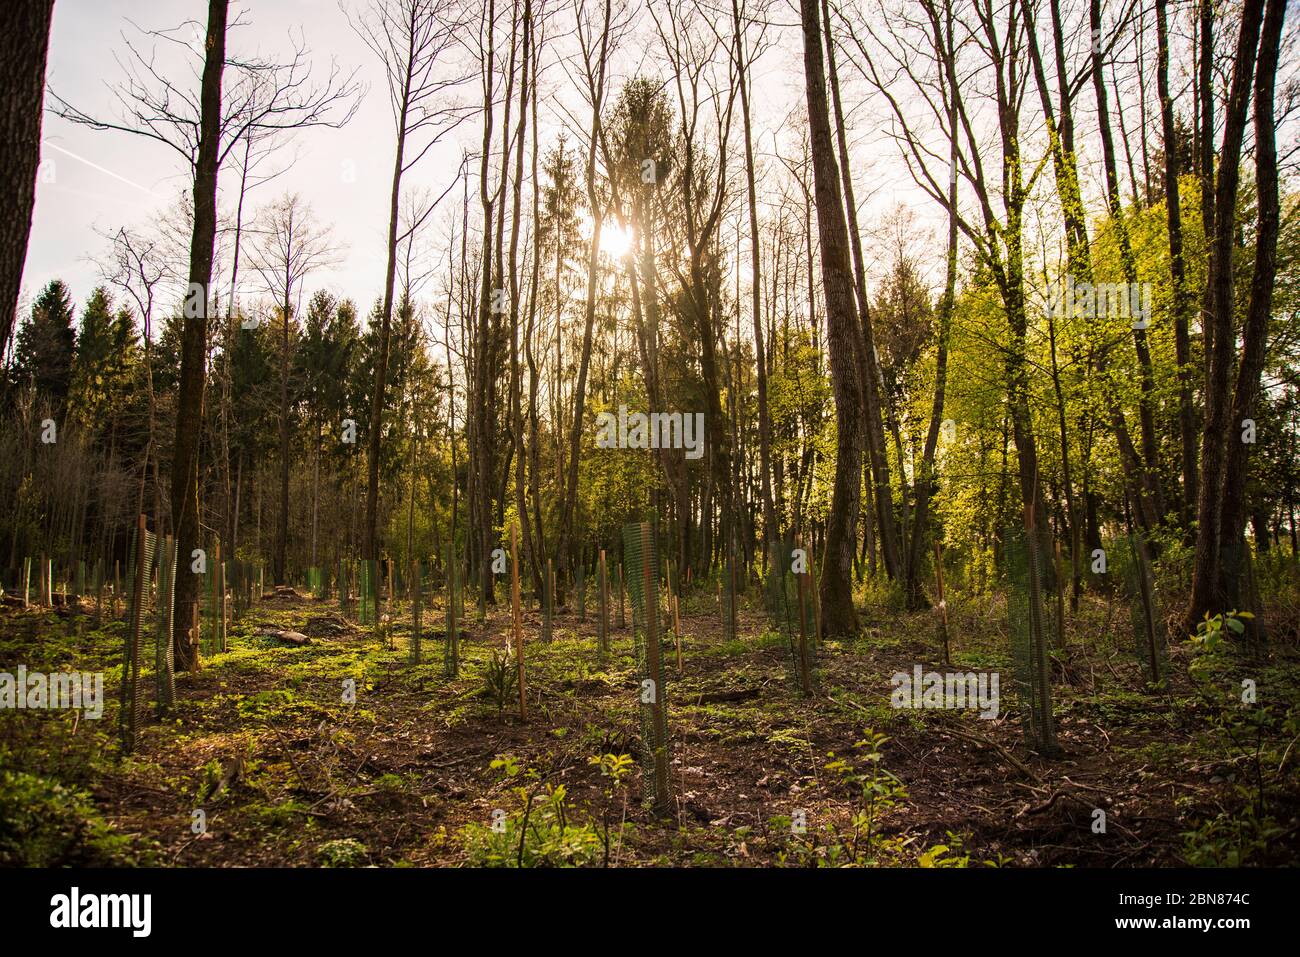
(83, 185)
(83, 197)
(102, 180)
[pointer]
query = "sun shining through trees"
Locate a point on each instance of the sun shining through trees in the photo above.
(615, 241)
(650, 433)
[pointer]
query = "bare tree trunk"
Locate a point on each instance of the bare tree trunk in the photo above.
(1255, 332)
(194, 334)
(839, 617)
(368, 541)
(1146, 412)
(770, 531)
(1219, 429)
(1205, 134)
(280, 558)
(516, 374)
(1177, 272)
(869, 372)
(925, 481)
(569, 493)
(24, 44)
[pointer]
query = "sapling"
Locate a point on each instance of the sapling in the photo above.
(614, 768)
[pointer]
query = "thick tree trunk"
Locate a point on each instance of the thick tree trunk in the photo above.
(1255, 333)
(839, 617)
(24, 43)
(869, 372)
(194, 335)
(1219, 428)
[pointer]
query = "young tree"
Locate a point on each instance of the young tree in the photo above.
(413, 40)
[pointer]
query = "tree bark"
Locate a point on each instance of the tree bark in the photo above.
(24, 45)
(760, 359)
(1255, 333)
(194, 334)
(843, 340)
(1177, 272)
(869, 373)
(1216, 434)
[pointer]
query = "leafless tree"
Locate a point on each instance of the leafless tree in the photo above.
(414, 41)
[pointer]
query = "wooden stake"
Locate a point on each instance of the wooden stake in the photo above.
(659, 720)
(677, 629)
(943, 604)
(1060, 597)
(548, 600)
(517, 619)
(604, 605)
(816, 599)
(622, 617)
(805, 681)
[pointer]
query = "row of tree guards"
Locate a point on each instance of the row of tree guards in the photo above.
(146, 583)
(226, 589)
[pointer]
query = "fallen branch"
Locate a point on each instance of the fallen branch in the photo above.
(285, 635)
(983, 741)
(717, 697)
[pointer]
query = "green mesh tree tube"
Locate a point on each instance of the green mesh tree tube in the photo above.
(97, 586)
(78, 586)
(784, 609)
(245, 587)
(642, 564)
(581, 588)
(368, 593)
(416, 610)
(622, 588)
(451, 644)
(221, 606)
(731, 585)
(131, 713)
(1139, 590)
(603, 585)
(211, 597)
(165, 627)
(548, 600)
(1029, 639)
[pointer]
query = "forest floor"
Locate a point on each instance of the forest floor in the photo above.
(417, 770)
